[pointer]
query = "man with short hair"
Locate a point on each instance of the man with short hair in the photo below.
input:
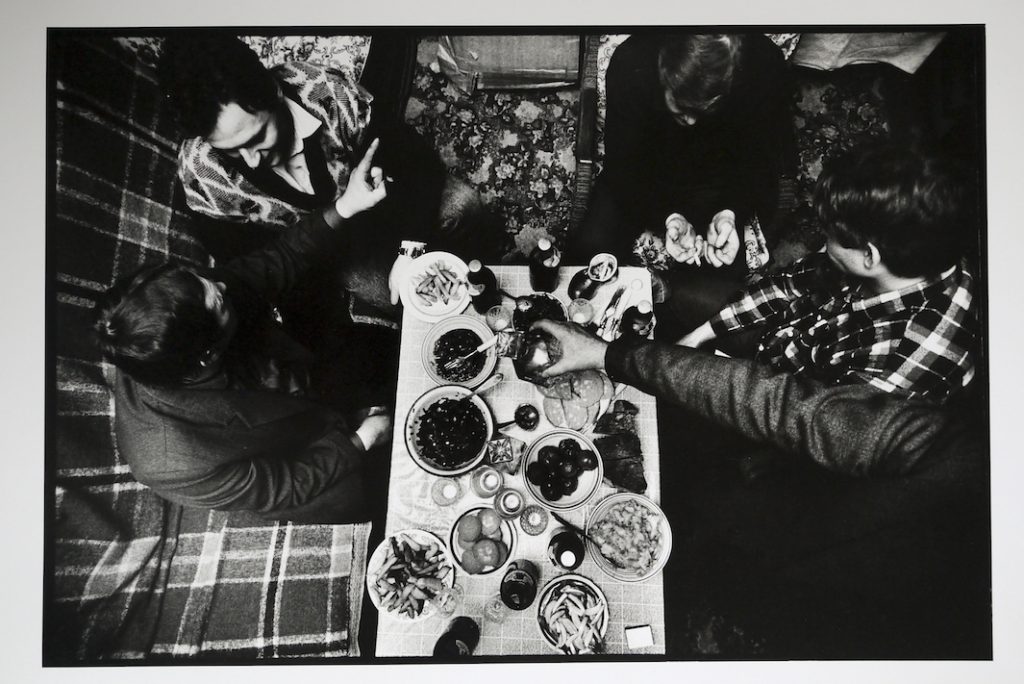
(696, 125)
(270, 146)
(890, 301)
(217, 407)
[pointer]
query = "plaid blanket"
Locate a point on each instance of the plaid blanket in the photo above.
(129, 575)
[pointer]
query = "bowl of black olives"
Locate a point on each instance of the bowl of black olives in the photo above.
(563, 470)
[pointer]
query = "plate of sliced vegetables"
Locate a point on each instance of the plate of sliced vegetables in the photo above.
(435, 286)
(573, 615)
(406, 572)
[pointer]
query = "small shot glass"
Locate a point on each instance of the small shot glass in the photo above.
(495, 609)
(581, 311)
(449, 600)
(445, 491)
(498, 318)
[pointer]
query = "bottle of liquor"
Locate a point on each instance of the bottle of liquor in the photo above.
(638, 320)
(460, 639)
(483, 287)
(544, 266)
(565, 549)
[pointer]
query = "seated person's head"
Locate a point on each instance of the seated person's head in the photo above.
(220, 91)
(891, 203)
(696, 72)
(165, 324)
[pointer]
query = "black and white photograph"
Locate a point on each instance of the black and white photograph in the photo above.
(476, 343)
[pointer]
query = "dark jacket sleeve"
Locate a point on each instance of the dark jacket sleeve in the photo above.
(273, 270)
(273, 484)
(848, 428)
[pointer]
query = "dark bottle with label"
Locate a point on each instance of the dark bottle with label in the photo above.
(544, 266)
(459, 640)
(638, 320)
(519, 586)
(565, 549)
(483, 287)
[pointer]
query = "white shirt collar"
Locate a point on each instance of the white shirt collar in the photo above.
(305, 124)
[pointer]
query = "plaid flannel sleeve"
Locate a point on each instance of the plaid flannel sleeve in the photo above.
(769, 297)
(935, 357)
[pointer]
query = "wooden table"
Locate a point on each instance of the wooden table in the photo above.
(410, 505)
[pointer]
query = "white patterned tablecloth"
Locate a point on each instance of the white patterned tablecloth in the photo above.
(410, 505)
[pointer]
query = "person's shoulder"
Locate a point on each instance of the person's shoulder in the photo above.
(636, 50)
(760, 56)
(196, 159)
(299, 74)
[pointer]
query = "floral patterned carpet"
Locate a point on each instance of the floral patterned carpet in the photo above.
(517, 147)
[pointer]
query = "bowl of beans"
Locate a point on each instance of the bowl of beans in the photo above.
(451, 339)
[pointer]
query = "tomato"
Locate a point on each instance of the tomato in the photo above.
(568, 467)
(569, 485)
(537, 473)
(551, 490)
(588, 460)
(549, 455)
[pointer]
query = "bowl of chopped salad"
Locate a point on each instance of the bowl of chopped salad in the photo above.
(629, 537)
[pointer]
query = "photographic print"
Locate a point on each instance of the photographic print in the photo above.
(488, 344)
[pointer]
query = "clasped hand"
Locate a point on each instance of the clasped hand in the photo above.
(719, 248)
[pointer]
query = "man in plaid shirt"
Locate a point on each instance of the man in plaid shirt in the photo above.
(888, 302)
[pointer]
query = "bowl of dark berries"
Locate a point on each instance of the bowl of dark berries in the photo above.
(563, 470)
(445, 350)
(447, 429)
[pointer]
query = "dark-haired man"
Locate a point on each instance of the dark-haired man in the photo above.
(890, 301)
(270, 146)
(696, 125)
(217, 407)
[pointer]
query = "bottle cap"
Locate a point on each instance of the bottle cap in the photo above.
(644, 307)
(567, 558)
(475, 265)
(544, 244)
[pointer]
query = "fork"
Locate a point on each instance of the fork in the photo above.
(459, 360)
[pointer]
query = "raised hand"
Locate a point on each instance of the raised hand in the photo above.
(723, 243)
(365, 186)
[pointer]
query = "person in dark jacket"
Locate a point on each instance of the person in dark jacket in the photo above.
(809, 520)
(698, 129)
(217, 407)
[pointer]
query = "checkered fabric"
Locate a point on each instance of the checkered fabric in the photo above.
(918, 341)
(131, 576)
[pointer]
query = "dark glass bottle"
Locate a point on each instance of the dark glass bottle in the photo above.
(459, 640)
(483, 287)
(637, 320)
(565, 549)
(544, 266)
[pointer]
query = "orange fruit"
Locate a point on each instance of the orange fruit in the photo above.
(502, 552)
(470, 563)
(486, 551)
(489, 522)
(469, 528)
